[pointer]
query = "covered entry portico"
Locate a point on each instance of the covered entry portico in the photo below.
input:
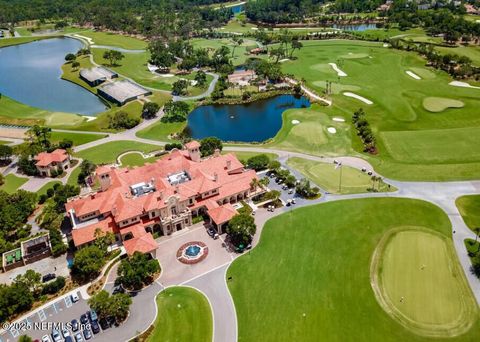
(221, 216)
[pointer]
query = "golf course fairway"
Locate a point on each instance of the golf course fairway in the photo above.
(309, 278)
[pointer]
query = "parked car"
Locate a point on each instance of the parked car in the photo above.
(74, 297)
(285, 187)
(48, 277)
(293, 201)
(95, 327)
(291, 191)
(68, 339)
(46, 338)
(87, 334)
(370, 173)
(78, 337)
(211, 232)
(289, 202)
(104, 323)
(92, 316)
(65, 332)
(84, 319)
(75, 325)
(364, 169)
(56, 335)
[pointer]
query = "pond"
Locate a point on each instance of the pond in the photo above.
(252, 122)
(355, 27)
(30, 73)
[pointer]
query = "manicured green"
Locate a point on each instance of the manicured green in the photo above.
(49, 185)
(108, 152)
(397, 107)
(312, 270)
(470, 51)
(20, 40)
(184, 315)
(422, 305)
(244, 156)
(11, 110)
(327, 177)
(113, 39)
(135, 159)
(161, 131)
(12, 183)
(439, 104)
(469, 208)
(77, 138)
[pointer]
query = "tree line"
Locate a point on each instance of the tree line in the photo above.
(149, 18)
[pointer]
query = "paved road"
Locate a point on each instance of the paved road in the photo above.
(214, 286)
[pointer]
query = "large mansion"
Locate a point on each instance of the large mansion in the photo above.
(160, 198)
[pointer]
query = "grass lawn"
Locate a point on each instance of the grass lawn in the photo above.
(315, 264)
(49, 185)
(469, 208)
(184, 315)
(421, 305)
(20, 40)
(108, 152)
(113, 39)
(239, 56)
(135, 159)
(160, 131)
(397, 115)
(328, 178)
(13, 112)
(72, 179)
(77, 138)
(12, 183)
(237, 26)
(3, 142)
(244, 156)
(470, 51)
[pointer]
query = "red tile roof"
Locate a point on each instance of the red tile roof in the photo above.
(221, 177)
(87, 234)
(222, 214)
(192, 144)
(143, 244)
(46, 158)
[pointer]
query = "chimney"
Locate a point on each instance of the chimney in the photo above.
(229, 164)
(216, 153)
(160, 195)
(215, 177)
(114, 210)
(176, 189)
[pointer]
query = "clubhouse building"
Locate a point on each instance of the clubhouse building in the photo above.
(161, 198)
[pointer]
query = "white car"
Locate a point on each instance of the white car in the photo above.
(56, 335)
(65, 332)
(46, 338)
(75, 297)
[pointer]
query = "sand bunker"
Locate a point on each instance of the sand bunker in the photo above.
(340, 73)
(331, 130)
(337, 119)
(88, 39)
(412, 74)
(462, 84)
(358, 97)
(284, 60)
(439, 104)
(386, 45)
(89, 118)
(295, 122)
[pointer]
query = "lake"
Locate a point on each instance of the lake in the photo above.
(252, 122)
(30, 73)
(356, 27)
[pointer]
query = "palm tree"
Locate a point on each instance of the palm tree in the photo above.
(254, 184)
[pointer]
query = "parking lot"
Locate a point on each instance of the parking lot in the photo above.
(40, 322)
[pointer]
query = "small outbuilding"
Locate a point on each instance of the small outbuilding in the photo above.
(29, 251)
(121, 92)
(97, 75)
(48, 162)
